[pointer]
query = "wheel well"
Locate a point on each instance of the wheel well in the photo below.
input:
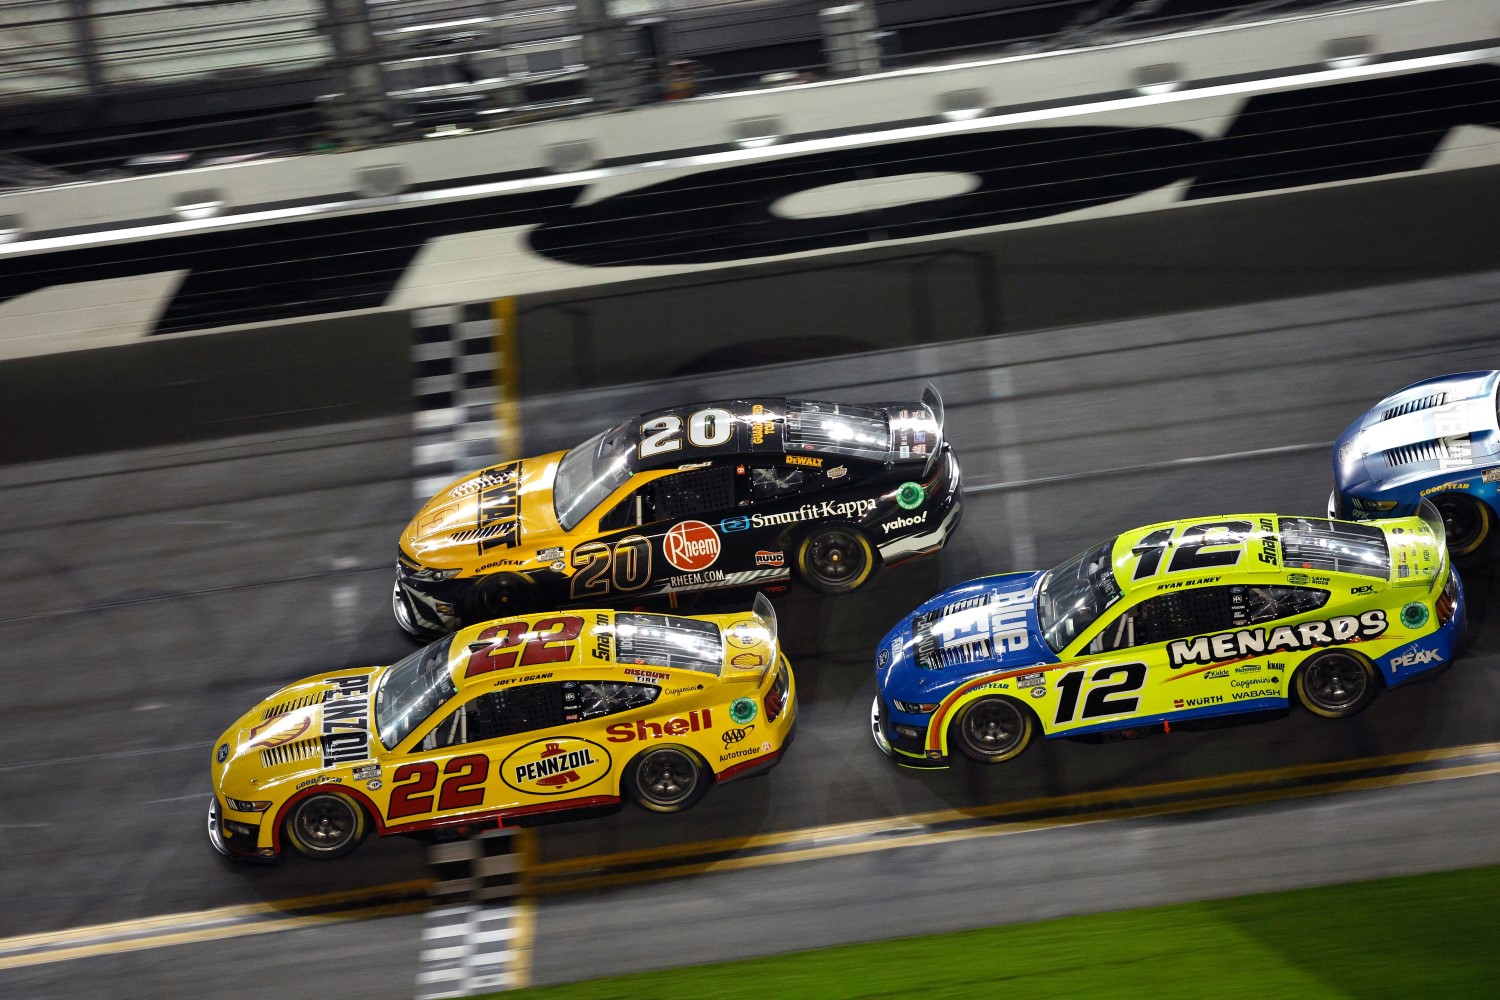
(958, 712)
(1291, 682)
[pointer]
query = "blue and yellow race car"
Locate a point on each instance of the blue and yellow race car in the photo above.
(1439, 440)
(1166, 626)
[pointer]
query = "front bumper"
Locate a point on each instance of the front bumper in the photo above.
(235, 839)
(892, 744)
(426, 611)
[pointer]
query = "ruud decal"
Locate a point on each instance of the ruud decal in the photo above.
(555, 767)
(1277, 141)
(1254, 641)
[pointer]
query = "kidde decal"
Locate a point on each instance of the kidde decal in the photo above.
(556, 766)
(691, 546)
(628, 732)
(346, 721)
(1252, 641)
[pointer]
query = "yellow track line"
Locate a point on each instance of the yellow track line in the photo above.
(222, 914)
(1080, 799)
(207, 934)
(1010, 829)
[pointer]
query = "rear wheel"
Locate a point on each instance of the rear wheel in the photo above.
(667, 779)
(835, 559)
(326, 826)
(1466, 521)
(992, 729)
(501, 595)
(1336, 683)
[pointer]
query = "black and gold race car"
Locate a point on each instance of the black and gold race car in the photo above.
(736, 493)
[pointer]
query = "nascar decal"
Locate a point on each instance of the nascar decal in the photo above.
(346, 721)
(1253, 641)
(556, 766)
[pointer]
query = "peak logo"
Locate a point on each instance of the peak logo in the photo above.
(1417, 658)
(555, 766)
(691, 546)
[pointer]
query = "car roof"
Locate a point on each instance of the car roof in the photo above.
(1274, 549)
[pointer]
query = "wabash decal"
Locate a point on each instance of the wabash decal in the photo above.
(346, 721)
(556, 766)
(1312, 135)
(1254, 641)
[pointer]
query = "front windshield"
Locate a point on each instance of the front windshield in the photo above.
(590, 473)
(1075, 593)
(411, 691)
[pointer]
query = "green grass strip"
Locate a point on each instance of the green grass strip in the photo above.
(1413, 937)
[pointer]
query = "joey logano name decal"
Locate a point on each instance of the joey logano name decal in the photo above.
(1252, 641)
(556, 766)
(346, 721)
(691, 546)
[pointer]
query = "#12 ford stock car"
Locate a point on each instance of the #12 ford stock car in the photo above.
(503, 721)
(1438, 439)
(1168, 625)
(726, 494)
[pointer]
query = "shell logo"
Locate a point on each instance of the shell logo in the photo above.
(691, 546)
(559, 766)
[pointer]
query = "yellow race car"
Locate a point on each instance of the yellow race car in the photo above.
(504, 721)
(1168, 627)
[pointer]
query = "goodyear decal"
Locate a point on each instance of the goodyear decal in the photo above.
(558, 766)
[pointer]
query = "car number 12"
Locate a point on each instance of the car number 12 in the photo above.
(1104, 699)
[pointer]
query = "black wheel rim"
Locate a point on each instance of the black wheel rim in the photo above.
(836, 557)
(993, 727)
(325, 823)
(1463, 521)
(666, 777)
(1336, 682)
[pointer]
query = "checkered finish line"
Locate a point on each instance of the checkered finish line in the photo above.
(468, 950)
(456, 389)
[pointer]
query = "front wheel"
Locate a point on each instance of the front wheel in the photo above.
(1336, 684)
(667, 779)
(1466, 522)
(501, 595)
(992, 729)
(326, 826)
(835, 559)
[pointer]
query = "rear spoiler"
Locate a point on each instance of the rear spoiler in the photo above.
(763, 610)
(933, 400)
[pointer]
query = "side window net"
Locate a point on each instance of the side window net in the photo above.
(697, 492)
(1168, 616)
(500, 713)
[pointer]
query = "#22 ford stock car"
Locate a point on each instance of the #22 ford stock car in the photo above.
(1167, 625)
(726, 494)
(550, 713)
(1438, 439)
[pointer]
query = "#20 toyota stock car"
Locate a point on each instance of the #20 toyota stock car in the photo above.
(1437, 439)
(726, 494)
(1166, 625)
(502, 721)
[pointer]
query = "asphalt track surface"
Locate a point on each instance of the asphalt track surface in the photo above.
(149, 595)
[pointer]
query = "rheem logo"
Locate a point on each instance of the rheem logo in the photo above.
(691, 546)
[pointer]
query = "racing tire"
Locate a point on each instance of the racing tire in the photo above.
(1466, 521)
(326, 826)
(835, 559)
(992, 729)
(408, 621)
(667, 779)
(1336, 683)
(500, 595)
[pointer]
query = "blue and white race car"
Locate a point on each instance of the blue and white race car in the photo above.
(1436, 440)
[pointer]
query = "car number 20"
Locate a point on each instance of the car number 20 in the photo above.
(708, 428)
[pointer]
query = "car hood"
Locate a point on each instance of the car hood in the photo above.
(489, 513)
(975, 628)
(315, 725)
(1440, 425)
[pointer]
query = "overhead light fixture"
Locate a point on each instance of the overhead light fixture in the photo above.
(1157, 79)
(1347, 53)
(192, 206)
(962, 105)
(757, 133)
